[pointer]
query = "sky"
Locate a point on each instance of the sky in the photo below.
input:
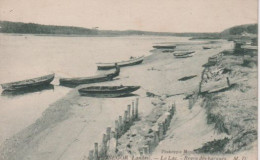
(147, 15)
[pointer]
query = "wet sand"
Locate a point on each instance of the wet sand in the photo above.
(69, 127)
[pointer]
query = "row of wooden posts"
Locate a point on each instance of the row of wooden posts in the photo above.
(159, 132)
(122, 125)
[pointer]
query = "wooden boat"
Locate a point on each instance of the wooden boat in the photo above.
(164, 47)
(44, 80)
(73, 82)
(131, 62)
(107, 91)
(168, 51)
(29, 90)
(205, 47)
(184, 54)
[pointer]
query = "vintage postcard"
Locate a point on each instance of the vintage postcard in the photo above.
(129, 80)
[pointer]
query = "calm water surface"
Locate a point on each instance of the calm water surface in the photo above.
(28, 56)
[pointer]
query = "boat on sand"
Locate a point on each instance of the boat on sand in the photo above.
(184, 54)
(107, 91)
(73, 82)
(34, 82)
(29, 90)
(165, 47)
(131, 62)
(206, 47)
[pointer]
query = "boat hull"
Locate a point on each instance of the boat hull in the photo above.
(184, 55)
(108, 93)
(73, 82)
(103, 66)
(76, 82)
(30, 83)
(28, 90)
(164, 47)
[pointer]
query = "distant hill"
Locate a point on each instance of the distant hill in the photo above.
(240, 30)
(32, 28)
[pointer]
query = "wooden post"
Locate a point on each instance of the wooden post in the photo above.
(108, 133)
(90, 155)
(149, 146)
(165, 125)
(145, 149)
(96, 157)
(133, 110)
(125, 122)
(228, 83)
(156, 137)
(129, 112)
(160, 131)
(173, 109)
(117, 128)
(125, 117)
(190, 103)
(104, 146)
(164, 128)
(141, 152)
(121, 126)
(169, 120)
(136, 108)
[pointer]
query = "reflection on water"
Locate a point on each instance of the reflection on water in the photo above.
(28, 90)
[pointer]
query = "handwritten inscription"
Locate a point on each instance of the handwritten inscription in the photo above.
(176, 155)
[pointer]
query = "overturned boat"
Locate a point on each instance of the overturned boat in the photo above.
(34, 82)
(107, 91)
(73, 82)
(165, 47)
(131, 62)
(184, 54)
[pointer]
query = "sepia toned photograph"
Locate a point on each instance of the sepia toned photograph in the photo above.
(129, 80)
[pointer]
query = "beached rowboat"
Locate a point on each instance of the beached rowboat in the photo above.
(133, 61)
(72, 82)
(184, 54)
(164, 47)
(107, 91)
(205, 47)
(44, 80)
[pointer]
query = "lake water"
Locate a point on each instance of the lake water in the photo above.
(28, 56)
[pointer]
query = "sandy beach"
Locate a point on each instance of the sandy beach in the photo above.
(69, 127)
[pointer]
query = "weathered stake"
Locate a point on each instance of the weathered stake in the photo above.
(156, 138)
(117, 132)
(108, 133)
(136, 108)
(120, 126)
(90, 155)
(160, 131)
(96, 157)
(133, 110)
(129, 112)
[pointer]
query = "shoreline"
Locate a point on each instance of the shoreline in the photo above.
(63, 128)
